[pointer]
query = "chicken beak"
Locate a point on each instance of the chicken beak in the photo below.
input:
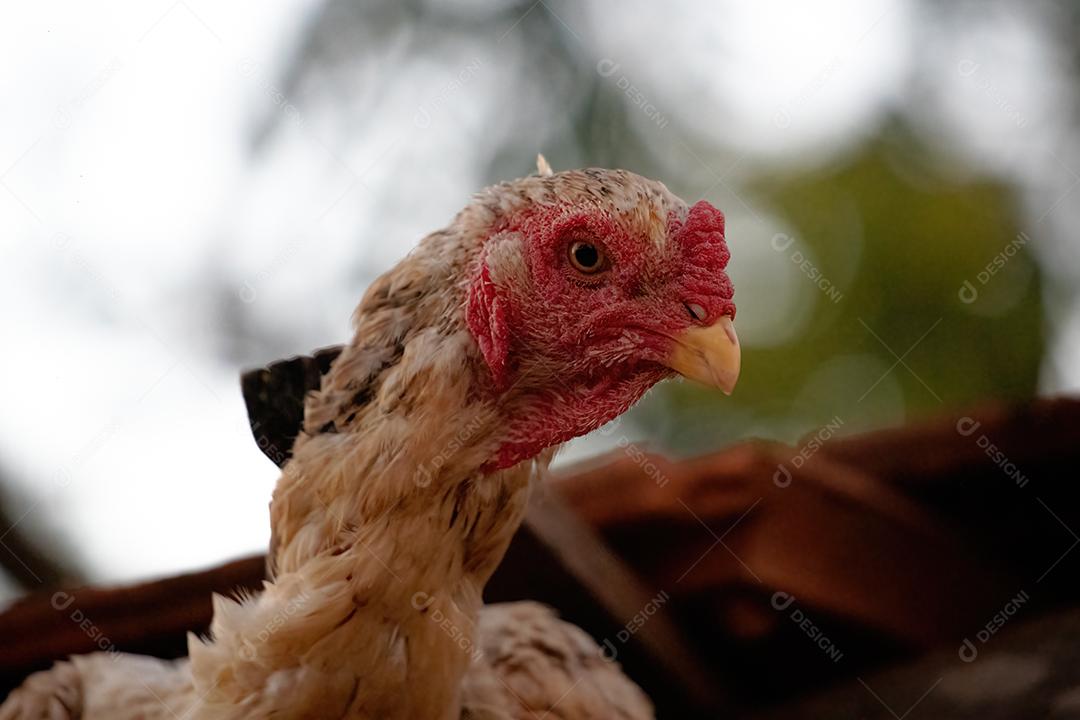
(709, 355)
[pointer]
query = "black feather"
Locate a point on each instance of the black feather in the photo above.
(274, 397)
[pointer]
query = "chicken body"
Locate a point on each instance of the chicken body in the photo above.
(547, 308)
(527, 663)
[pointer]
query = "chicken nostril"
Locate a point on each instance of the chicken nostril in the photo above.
(696, 311)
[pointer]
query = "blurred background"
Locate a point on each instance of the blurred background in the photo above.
(190, 188)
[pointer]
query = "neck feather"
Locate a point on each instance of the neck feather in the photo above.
(389, 518)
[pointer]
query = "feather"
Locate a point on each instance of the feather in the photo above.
(543, 169)
(405, 471)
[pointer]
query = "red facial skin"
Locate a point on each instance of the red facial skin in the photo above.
(569, 352)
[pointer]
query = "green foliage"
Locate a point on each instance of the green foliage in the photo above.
(898, 230)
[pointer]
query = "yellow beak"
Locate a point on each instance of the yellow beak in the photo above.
(709, 355)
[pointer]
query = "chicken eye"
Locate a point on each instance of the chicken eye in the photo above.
(586, 257)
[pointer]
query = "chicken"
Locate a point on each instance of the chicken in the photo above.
(546, 308)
